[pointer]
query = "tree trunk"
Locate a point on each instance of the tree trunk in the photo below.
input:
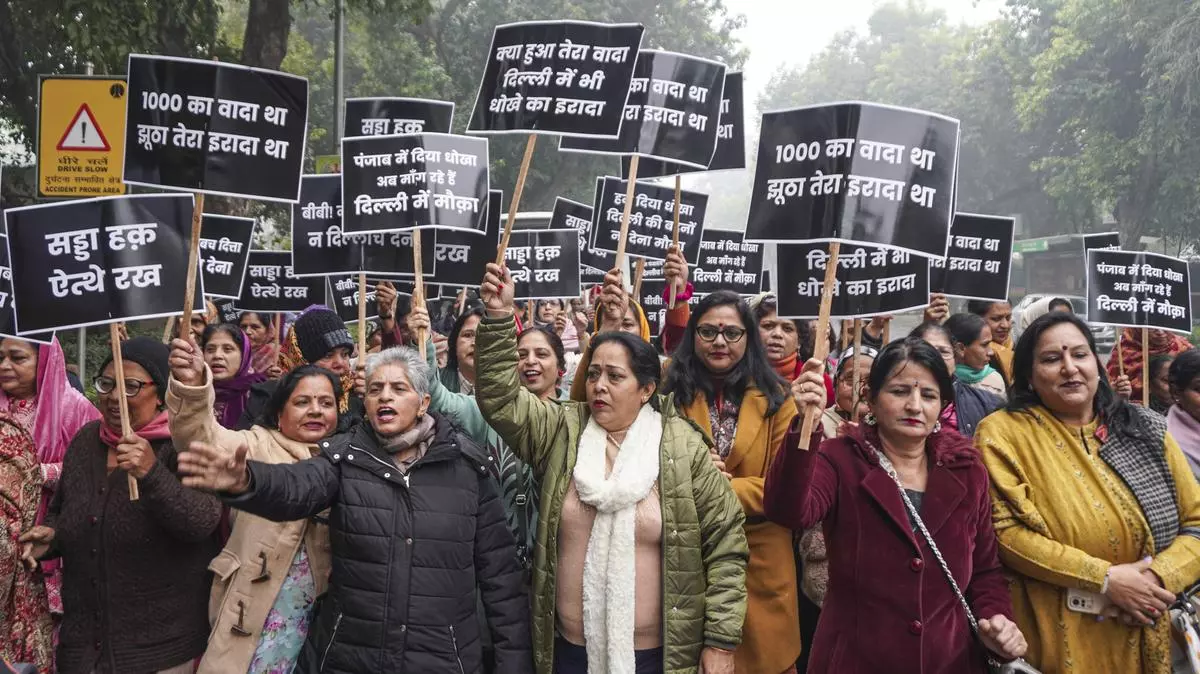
(267, 26)
(1135, 209)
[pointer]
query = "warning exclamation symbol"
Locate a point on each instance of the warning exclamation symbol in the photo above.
(83, 129)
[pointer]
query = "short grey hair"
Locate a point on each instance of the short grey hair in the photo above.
(418, 371)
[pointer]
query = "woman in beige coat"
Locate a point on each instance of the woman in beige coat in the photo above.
(270, 573)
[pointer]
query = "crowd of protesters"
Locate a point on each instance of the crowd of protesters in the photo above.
(553, 489)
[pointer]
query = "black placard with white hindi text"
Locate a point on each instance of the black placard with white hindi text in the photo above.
(1105, 241)
(224, 251)
(227, 311)
(569, 214)
(401, 183)
(213, 127)
(731, 138)
(652, 299)
(96, 261)
(979, 260)
(343, 297)
(673, 112)
(651, 220)
(321, 248)
(544, 264)
(461, 257)
(869, 281)
(394, 116)
(1138, 290)
(271, 286)
(8, 309)
(856, 173)
(728, 262)
(567, 78)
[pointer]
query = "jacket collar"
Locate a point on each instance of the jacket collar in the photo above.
(751, 424)
(945, 490)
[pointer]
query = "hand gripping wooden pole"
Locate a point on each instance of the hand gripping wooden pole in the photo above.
(675, 237)
(114, 338)
(516, 201)
(821, 343)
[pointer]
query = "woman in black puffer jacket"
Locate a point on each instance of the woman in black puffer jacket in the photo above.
(417, 529)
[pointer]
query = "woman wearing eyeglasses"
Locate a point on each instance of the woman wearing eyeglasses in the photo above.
(722, 380)
(135, 581)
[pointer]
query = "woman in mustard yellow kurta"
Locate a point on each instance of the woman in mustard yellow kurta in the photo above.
(722, 380)
(1089, 493)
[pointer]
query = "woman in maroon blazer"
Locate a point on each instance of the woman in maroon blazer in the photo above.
(889, 607)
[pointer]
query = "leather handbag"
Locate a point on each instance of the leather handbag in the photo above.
(1018, 666)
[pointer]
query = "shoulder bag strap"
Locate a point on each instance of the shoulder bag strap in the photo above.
(886, 464)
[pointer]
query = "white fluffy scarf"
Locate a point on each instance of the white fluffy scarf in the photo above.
(608, 567)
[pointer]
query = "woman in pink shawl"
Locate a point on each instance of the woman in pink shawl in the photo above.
(34, 391)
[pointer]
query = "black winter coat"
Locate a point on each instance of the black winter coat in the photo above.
(972, 404)
(409, 554)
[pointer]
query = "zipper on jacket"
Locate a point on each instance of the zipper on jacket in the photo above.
(336, 624)
(457, 657)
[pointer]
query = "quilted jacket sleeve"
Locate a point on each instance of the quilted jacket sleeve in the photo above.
(723, 548)
(526, 423)
(288, 492)
(501, 584)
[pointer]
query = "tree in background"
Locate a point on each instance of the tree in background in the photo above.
(1073, 111)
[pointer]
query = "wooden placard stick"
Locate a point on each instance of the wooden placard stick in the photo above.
(516, 202)
(858, 328)
(193, 261)
(629, 190)
(114, 338)
(845, 335)
(675, 236)
(638, 270)
(277, 323)
(1146, 368)
(362, 316)
(462, 300)
(419, 277)
(887, 332)
(169, 330)
(821, 343)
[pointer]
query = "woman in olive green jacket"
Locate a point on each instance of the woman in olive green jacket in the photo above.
(640, 553)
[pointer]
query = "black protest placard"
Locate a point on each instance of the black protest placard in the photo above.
(271, 286)
(979, 261)
(1139, 290)
(673, 112)
(401, 183)
(1105, 241)
(544, 264)
(227, 311)
(870, 281)
(855, 172)
(652, 299)
(394, 116)
(8, 309)
(569, 78)
(731, 138)
(651, 220)
(343, 297)
(212, 127)
(569, 214)
(728, 262)
(224, 250)
(408, 288)
(97, 261)
(462, 258)
(320, 247)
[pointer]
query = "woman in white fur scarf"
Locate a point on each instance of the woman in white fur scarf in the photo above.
(640, 560)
